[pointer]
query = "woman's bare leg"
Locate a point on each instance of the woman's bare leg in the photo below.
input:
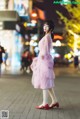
(52, 95)
(45, 97)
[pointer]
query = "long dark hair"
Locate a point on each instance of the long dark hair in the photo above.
(51, 27)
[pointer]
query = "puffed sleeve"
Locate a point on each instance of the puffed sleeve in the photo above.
(47, 45)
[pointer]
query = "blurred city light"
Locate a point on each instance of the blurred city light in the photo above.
(27, 43)
(33, 21)
(75, 42)
(75, 52)
(26, 37)
(56, 55)
(2, 4)
(18, 28)
(58, 37)
(58, 43)
(31, 24)
(1, 23)
(70, 31)
(36, 49)
(35, 44)
(34, 14)
(52, 51)
(25, 24)
(21, 6)
(68, 56)
(76, 26)
(31, 42)
(34, 37)
(65, 2)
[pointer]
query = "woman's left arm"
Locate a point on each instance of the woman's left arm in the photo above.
(45, 48)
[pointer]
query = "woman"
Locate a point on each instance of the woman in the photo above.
(42, 67)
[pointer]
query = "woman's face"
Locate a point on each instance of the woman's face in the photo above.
(46, 28)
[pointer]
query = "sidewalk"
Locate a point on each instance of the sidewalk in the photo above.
(67, 71)
(19, 97)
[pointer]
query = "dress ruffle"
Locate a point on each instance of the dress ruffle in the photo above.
(43, 74)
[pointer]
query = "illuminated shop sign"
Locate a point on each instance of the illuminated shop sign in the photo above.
(21, 6)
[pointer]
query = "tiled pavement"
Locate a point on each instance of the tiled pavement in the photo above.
(19, 97)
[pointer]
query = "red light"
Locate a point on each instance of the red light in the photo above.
(58, 37)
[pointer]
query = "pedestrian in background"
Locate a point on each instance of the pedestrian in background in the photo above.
(1, 59)
(76, 61)
(23, 61)
(26, 61)
(5, 58)
(42, 67)
(29, 61)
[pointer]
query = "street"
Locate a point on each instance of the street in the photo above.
(19, 97)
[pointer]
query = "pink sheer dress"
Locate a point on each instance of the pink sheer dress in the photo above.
(43, 74)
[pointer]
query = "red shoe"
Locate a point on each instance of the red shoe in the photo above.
(46, 107)
(54, 105)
